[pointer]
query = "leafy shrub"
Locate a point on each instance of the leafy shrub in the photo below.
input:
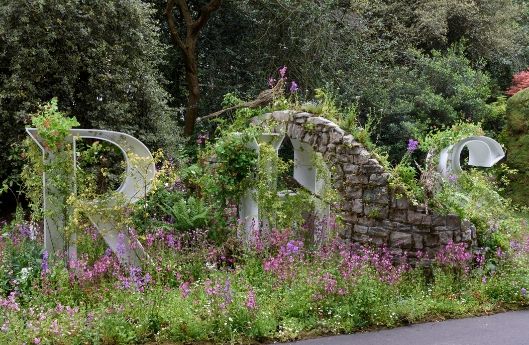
(516, 138)
(437, 90)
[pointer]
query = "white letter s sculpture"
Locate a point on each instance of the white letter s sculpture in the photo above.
(138, 182)
(483, 152)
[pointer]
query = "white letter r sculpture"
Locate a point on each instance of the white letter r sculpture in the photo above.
(138, 181)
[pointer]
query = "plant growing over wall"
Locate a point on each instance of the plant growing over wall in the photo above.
(287, 209)
(53, 127)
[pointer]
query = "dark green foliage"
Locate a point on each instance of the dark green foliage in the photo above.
(516, 137)
(99, 58)
(437, 90)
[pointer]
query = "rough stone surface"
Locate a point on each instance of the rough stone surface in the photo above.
(372, 213)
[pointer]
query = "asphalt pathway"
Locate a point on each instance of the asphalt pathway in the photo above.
(510, 328)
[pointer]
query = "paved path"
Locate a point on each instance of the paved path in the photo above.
(501, 329)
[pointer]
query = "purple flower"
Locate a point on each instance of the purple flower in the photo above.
(227, 292)
(209, 289)
(44, 264)
(184, 289)
(452, 178)
(524, 292)
(272, 82)
(294, 87)
(120, 248)
(456, 255)
(412, 145)
(283, 71)
(250, 300)
(292, 248)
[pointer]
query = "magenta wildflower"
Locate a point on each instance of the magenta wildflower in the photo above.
(54, 327)
(10, 303)
(456, 255)
(283, 72)
(250, 300)
(149, 239)
(272, 82)
(329, 283)
(185, 289)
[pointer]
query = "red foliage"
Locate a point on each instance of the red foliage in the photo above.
(520, 81)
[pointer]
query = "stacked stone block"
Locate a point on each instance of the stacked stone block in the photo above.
(371, 211)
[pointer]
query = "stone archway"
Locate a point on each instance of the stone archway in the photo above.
(371, 211)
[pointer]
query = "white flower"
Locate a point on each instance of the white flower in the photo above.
(24, 273)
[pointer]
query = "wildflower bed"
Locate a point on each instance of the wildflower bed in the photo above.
(280, 289)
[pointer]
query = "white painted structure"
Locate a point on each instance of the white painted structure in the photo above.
(140, 172)
(483, 152)
(304, 173)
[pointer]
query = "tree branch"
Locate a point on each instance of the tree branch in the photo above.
(173, 30)
(185, 12)
(205, 12)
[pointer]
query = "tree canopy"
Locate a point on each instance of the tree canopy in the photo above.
(100, 58)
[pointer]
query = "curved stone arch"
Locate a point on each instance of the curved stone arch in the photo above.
(371, 211)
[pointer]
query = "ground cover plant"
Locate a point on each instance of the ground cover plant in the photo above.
(204, 283)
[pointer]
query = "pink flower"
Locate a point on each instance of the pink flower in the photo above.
(54, 327)
(456, 255)
(250, 300)
(283, 71)
(184, 289)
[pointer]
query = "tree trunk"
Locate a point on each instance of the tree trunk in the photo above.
(194, 95)
(187, 46)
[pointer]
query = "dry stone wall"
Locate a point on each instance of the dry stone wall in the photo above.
(371, 211)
